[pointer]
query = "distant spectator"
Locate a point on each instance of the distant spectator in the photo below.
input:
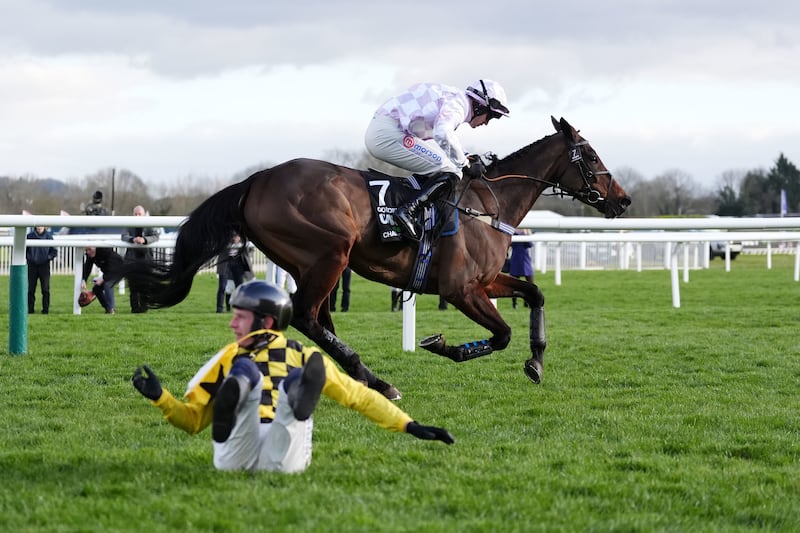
(345, 284)
(520, 265)
(223, 280)
(96, 206)
(139, 236)
(39, 268)
(109, 263)
(233, 264)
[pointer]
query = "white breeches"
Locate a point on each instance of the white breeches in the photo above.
(282, 446)
(386, 141)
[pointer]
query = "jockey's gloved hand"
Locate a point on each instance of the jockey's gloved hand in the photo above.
(429, 433)
(475, 168)
(146, 382)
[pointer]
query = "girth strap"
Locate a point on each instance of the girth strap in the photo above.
(488, 219)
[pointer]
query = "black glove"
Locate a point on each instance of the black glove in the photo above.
(476, 168)
(429, 433)
(148, 384)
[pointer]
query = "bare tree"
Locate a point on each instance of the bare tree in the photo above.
(676, 192)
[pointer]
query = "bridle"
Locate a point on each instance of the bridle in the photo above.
(587, 194)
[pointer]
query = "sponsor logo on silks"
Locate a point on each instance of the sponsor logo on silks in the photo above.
(421, 150)
(427, 153)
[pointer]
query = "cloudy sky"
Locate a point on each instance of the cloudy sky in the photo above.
(172, 88)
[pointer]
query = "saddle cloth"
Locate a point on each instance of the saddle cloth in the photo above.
(387, 193)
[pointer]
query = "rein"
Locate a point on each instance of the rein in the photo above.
(587, 193)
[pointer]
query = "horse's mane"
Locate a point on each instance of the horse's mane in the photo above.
(519, 153)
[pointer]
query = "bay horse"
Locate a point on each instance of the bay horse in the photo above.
(314, 218)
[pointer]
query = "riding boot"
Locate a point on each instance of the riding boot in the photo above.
(407, 215)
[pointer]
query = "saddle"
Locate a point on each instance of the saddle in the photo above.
(387, 193)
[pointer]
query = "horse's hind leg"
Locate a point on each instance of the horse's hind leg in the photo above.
(324, 316)
(349, 359)
(310, 318)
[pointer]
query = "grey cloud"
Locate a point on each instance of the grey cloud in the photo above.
(191, 37)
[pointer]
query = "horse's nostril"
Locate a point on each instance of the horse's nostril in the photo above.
(626, 202)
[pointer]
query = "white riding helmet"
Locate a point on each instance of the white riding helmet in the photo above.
(490, 94)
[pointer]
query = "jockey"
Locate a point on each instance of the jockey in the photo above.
(416, 131)
(259, 392)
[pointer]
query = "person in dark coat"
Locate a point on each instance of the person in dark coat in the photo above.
(96, 207)
(232, 264)
(109, 262)
(520, 265)
(38, 260)
(138, 236)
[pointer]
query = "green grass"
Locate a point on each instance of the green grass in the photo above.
(649, 418)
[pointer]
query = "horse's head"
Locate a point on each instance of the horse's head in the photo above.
(586, 178)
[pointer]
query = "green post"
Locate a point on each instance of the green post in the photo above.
(18, 297)
(18, 311)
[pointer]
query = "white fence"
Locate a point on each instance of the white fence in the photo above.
(561, 243)
(71, 247)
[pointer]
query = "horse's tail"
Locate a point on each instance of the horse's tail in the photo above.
(202, 237)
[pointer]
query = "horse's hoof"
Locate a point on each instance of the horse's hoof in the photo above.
(433, 343)
(391, 393)
(533, 370)
(386, 389)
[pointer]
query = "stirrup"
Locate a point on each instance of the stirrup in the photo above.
(405, 220)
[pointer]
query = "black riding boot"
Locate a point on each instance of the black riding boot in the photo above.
(406, 215)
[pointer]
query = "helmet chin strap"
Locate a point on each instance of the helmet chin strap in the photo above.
(258, 323)
(478, 108)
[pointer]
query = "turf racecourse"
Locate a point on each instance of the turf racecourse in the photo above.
(649, 418)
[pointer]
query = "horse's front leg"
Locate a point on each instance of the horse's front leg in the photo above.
(505, 286)
(463, 352)
(534, 367)
(476, 305)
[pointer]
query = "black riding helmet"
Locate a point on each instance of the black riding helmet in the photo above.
(264, 299)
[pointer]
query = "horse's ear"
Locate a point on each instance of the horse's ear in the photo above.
(567, 129)
(556, 124)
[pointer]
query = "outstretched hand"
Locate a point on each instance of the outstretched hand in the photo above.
(147, 383)
(429, 432)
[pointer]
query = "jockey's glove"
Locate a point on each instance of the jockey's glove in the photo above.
(476, 168)
(429, 432)
(147, 383)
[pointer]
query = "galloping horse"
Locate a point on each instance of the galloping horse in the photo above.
(314, 218)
